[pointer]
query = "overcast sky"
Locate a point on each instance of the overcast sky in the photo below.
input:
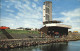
(29, 13)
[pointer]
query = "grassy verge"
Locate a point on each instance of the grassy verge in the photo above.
(21, 32)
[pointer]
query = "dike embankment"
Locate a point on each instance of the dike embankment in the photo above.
(19, 43)
(23, 38)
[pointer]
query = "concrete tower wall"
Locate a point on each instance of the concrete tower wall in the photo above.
(47, 11)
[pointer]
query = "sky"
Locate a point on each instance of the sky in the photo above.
(29, 13)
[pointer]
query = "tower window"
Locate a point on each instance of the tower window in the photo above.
(47, 17)
(47, 10)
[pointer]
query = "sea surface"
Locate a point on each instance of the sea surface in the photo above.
(62, 46)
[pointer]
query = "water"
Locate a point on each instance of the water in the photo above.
(68, 46)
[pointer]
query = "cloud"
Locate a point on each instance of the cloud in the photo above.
(33, 5)
(27, 15)
(71, 18)
(35, 0)
(73, 13)
(10, 10)
(8, 22)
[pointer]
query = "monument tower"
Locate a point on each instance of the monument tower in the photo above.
(52, 27)
(47, 11)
